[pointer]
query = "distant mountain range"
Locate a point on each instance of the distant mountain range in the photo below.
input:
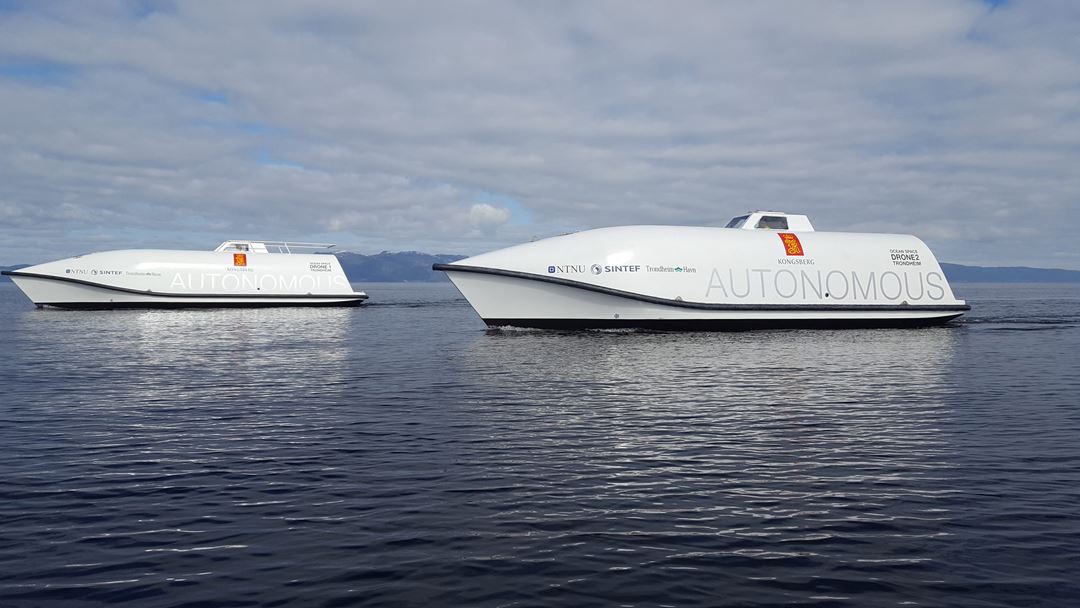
(413, 266)
(957, 273)
(399, 267)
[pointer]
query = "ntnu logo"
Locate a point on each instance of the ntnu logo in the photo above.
(567, 269)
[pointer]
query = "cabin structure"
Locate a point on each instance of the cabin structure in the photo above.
(242, 246)
(771, 220)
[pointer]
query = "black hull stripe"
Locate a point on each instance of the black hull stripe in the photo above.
(717, 324)
(959, 308)
(180, 305)
(162, 294)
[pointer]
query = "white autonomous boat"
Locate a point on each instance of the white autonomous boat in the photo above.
(237, 273)
(763, 270)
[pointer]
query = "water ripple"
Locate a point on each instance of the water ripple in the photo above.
(401, 454)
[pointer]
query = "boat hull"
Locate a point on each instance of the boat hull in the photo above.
(63, 292)
(514, 299)
(158, 278)
(688, 278)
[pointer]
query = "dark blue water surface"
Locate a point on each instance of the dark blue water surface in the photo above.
(400, 454)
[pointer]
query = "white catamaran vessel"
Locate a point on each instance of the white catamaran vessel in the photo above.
(237, 273)
(764, 269)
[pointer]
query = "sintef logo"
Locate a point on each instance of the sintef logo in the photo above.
(613, 268)
(596, 268)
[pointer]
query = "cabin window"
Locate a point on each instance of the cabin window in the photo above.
(772, 222)
(241, 247)
(737, 222)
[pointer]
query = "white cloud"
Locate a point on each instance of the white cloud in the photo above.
(483, 215)
(379, 126)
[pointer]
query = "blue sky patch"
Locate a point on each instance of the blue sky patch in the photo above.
(267, 158)
(142, 9)
(38, 72)
(519, 214)
(210, 96)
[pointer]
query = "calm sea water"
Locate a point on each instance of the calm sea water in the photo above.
(400, 454)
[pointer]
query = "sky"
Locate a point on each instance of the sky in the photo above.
(461, 127)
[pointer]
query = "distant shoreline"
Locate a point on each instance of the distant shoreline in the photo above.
(958, 273)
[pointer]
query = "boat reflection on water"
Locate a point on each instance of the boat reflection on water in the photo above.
(778, 441)
(727, 453)
(801, 401)
(800, 368)
(232, 358)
